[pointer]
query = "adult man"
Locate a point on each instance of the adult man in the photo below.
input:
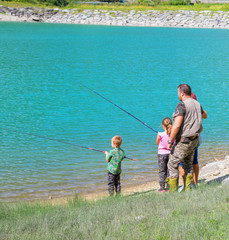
(186, 129)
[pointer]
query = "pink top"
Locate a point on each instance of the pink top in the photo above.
(162, 147)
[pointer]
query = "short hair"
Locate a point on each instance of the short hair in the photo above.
(186, 89)
(117, 140)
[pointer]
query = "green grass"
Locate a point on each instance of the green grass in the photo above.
(123, 7)
(199, 214)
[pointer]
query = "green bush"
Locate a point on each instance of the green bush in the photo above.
(111, 1)
(149, 2)
(178, 2)
(58, 3)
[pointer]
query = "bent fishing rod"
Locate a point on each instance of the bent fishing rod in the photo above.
(56, 140)
(119, 107)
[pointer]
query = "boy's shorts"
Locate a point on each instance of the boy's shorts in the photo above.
(195, 159)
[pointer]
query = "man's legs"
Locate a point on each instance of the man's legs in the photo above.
(188, 164)
(182, 152)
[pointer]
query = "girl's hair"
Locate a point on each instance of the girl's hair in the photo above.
(167, 122)
(117, 140)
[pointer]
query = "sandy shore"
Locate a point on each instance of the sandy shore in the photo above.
(9, 18)
(214, 171)
(217, 170)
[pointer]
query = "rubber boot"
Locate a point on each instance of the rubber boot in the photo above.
(188, 182)
(173, 184)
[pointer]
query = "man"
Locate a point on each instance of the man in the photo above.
(186, 129)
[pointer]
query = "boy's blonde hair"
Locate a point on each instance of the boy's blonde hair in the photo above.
(117, 140)
(167, 122)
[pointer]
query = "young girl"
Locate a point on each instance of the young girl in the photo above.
(163, 153)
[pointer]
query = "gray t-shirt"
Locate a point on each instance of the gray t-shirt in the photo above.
(192, 111)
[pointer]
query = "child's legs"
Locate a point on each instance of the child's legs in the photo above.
(195, 173)
(111, 183)
(117, 183)
(163, 169)
(182, 173)
(195, 167)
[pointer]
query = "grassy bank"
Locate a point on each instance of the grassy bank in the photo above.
(123, 7)
(199, 214)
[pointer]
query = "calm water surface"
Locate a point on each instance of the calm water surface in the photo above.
(41, 68)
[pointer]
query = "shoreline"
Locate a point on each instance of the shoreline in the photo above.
(131, 183)
(147, 18)
(212, 171)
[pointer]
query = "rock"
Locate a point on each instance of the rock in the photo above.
(180, 18)
(225, 181)
(209, 170)
(36, 19)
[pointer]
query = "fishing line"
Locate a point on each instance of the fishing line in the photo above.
(119, 107)
(56, 140)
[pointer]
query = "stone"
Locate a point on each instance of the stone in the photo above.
(225, 181)
(209, 170)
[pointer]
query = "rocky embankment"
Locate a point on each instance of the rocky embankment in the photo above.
(216, 171)
(149, 18)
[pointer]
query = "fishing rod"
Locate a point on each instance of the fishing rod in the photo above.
(119, 107)
(56, 140)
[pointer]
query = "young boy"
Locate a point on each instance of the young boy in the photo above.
(114, 158)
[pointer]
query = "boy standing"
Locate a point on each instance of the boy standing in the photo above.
(114, 158)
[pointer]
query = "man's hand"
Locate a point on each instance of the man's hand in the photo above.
(169, 146)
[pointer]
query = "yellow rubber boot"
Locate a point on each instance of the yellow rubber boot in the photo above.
(173, 184)
(188, 182)
(184, 180)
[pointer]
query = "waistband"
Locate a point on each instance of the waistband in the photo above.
(193, 137)
(184, 139)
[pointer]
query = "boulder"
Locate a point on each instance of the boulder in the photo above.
(225, 181)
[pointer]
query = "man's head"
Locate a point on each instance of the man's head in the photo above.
(184, 91)
(116, 141)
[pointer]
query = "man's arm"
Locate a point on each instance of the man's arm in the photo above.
(175, 129)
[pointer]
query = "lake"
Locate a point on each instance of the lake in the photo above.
(139, 69)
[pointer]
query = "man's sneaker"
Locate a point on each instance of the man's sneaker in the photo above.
(161, 190)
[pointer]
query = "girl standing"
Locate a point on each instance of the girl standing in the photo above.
(163, 153)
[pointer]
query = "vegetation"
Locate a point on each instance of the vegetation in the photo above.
(140, 5)
(199, 214)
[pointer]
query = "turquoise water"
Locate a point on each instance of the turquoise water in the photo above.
(41, 68)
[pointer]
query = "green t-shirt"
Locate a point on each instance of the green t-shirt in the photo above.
(115, 156)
